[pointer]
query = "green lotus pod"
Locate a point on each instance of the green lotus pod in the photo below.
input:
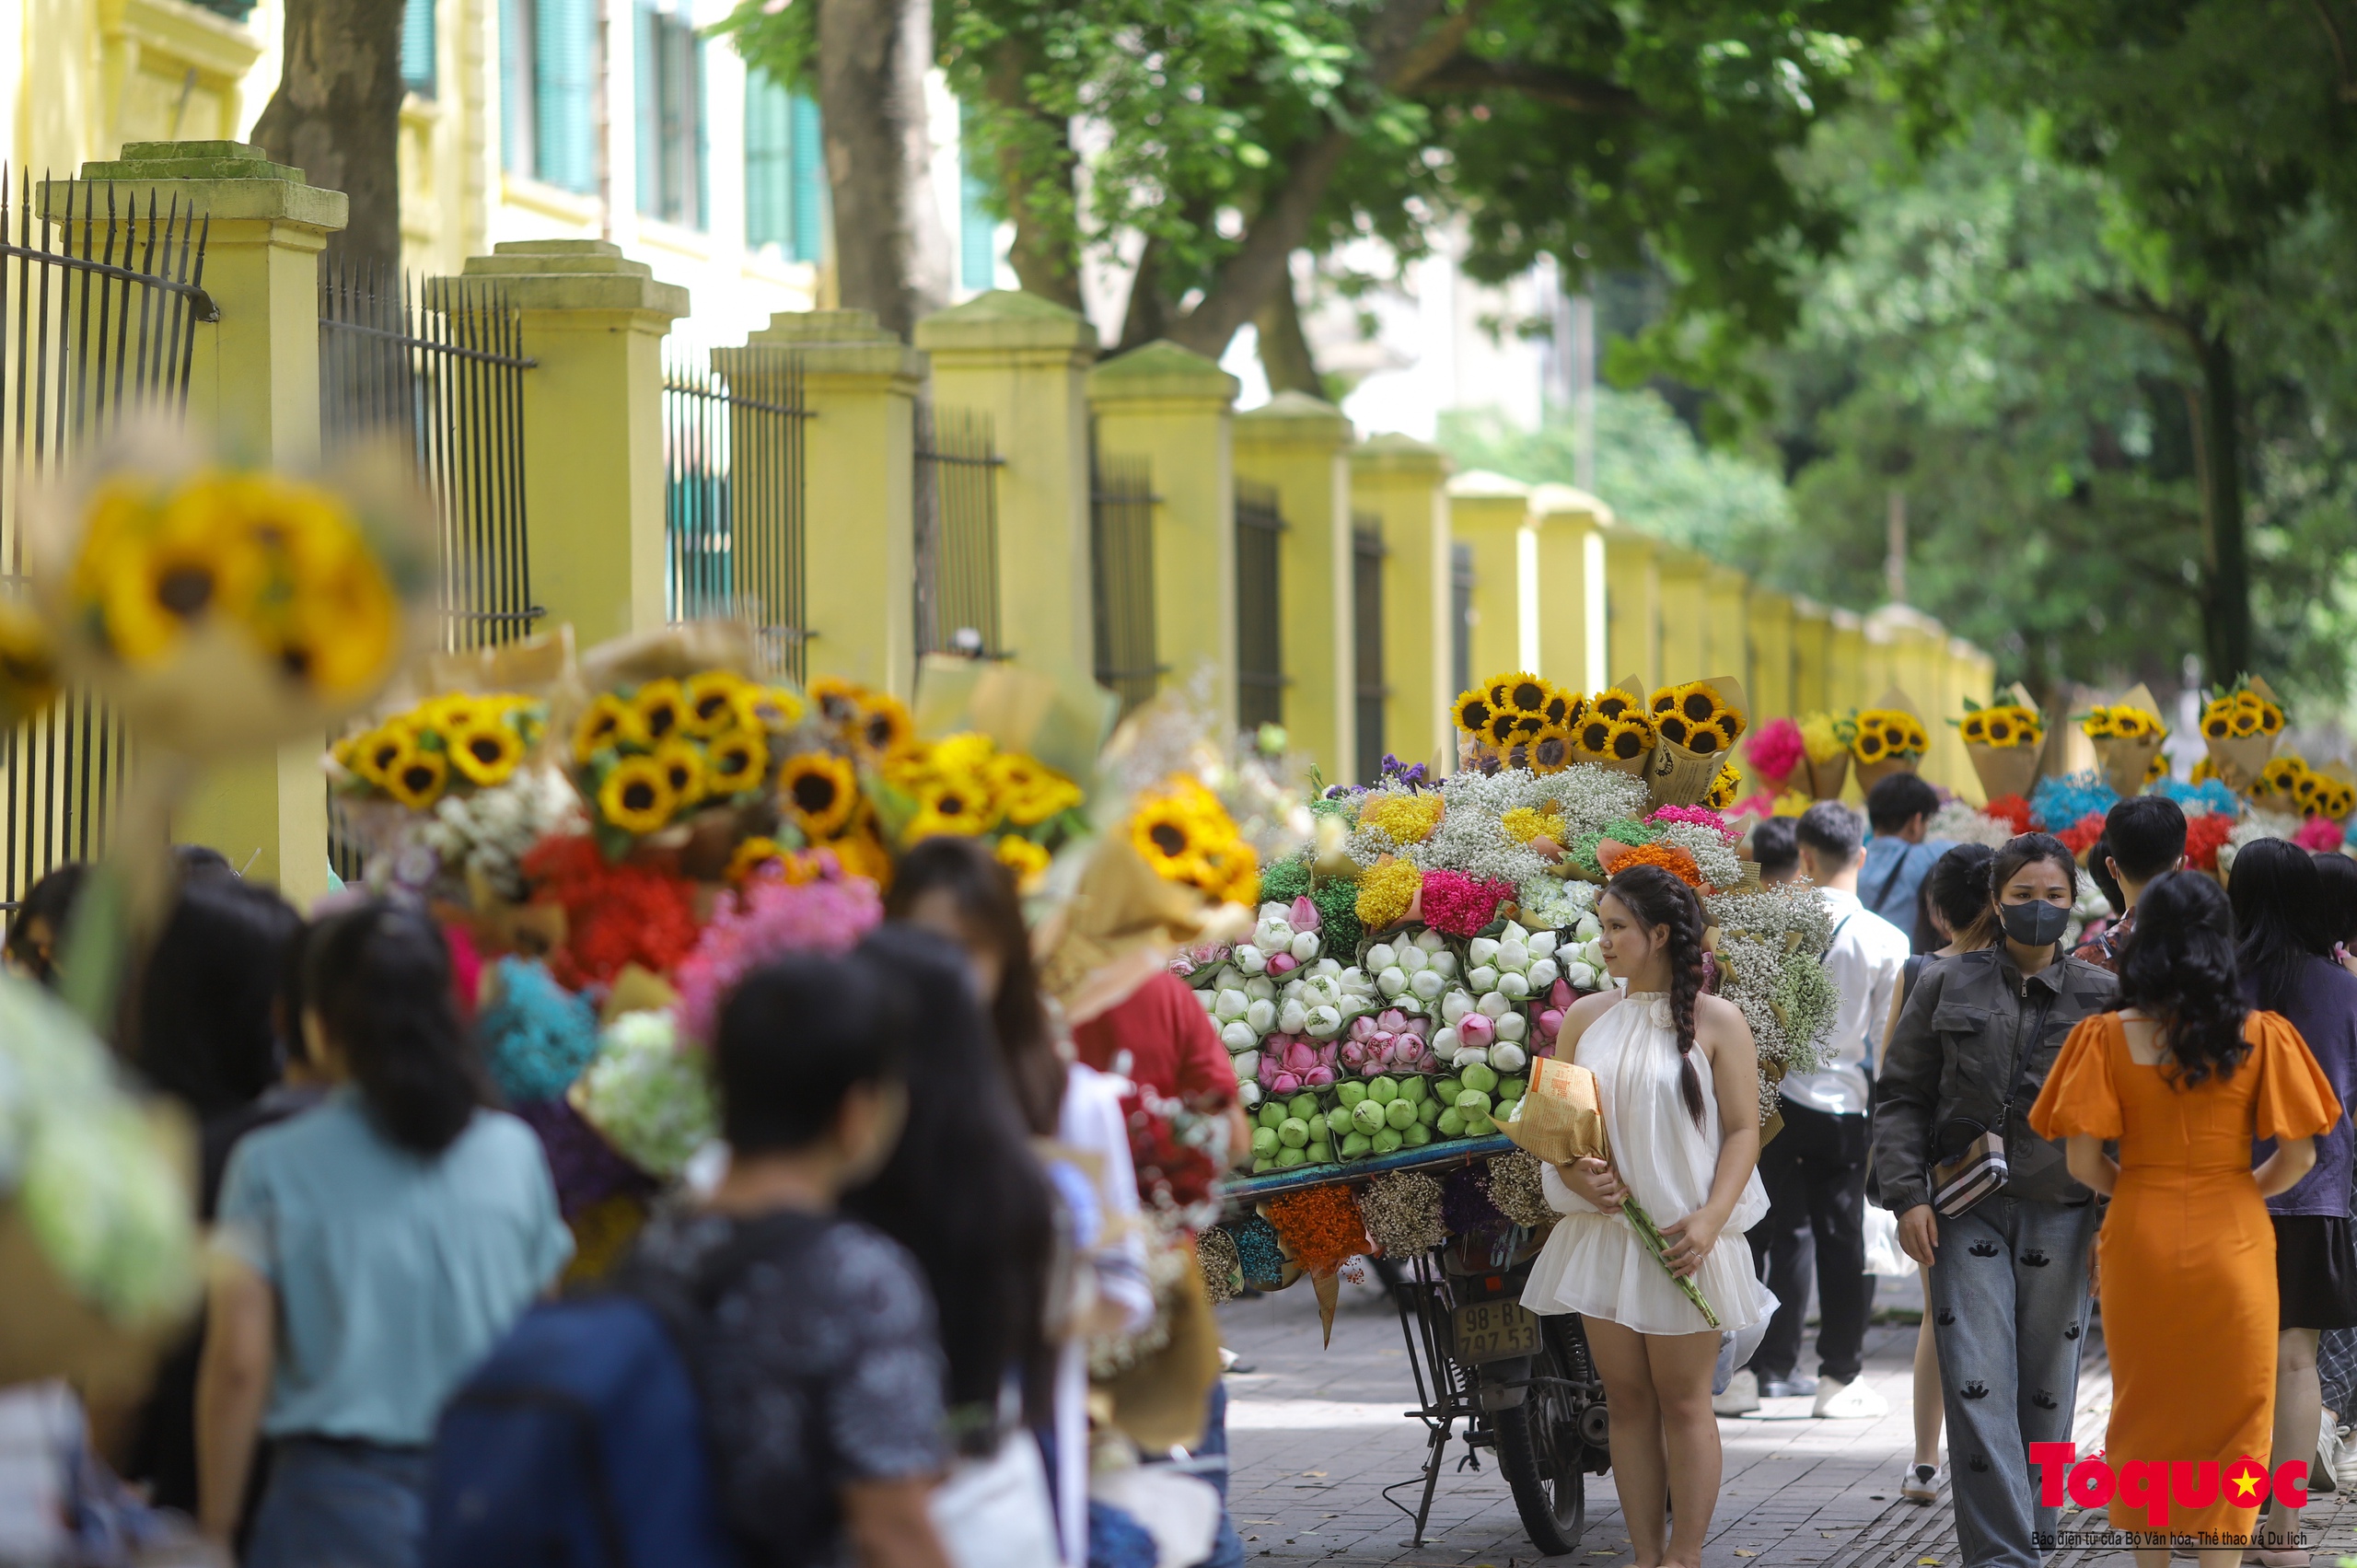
(1303, 1105)
(1398, 1114)
(1478, 1126)
(1383, 1091)
(1448, 1089)
(1358, 1146)
(1415, 1089)
(1264, 1142)
(1366, 1117)
(1415, 1136)
(1350, 1091)
(1479, 1075)
(1272, 1114)
(1260, 1165)
(1511, 1089)
(1451, 1124)
(1338, 1120)
(1473, 1102)
(1288, 1158)
(1386, 1142)
(1429, 1112)
(1294, 1134)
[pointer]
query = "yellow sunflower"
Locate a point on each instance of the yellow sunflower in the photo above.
(2245, 723)
(2204, 770)
(636, 795)
(1870, 745)
(957, 804)
(1593, 736)
(2000, 730)
(1974, 727)
(1471, 711)
(1550, 749)
(1630, 738)
(1030, 791)
(1613, 705)
(1232, 872)
(1527, 694)
(662, 709)
(1026, 860)
(839, 701)
(2271, 718)
(736, 762)
(1561, 709)
(1670, 725)
(771, 708)
(884, 727)
(1699, 700)
(2217, 724)
(380, 751)
(683, 766)
(1503, 726)
(2098, 724)
(713, 698)
(1724, 788)
(486, 751)
(862, 853)
(751, 855)
(820, 789)
(2157, 770)
(1172, 828)
(416, 780)
(609, 721)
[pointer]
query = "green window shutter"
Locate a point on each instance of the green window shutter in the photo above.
(565, 68)
(417, 47)
(516, 84)
(809, 187)
(976, 229)
(769, 163)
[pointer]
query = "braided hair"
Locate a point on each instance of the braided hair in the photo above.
(1656, 898)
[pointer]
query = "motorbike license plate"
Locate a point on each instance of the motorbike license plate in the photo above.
(1494, 1330)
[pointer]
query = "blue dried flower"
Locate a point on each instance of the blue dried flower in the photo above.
(1257, 1250)
(537, 1036)
(2057, 802)
(2209, 793)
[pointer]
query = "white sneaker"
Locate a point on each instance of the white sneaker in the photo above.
(2344, 1469)
(1848, 1401)
(1742, 1394)
(1921, 1485)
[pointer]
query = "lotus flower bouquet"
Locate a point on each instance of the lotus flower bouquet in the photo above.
(1412, 972)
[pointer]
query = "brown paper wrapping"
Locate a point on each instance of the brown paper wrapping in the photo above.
(1825, 780)
(1160, 1403)
(1561, 1116)
(1680, 776)
(2239, 760)
(2002, 770)
(2125, 762)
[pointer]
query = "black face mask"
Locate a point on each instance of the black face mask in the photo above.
(2035, 924)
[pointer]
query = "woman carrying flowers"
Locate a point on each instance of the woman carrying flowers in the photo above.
(1681, 1150)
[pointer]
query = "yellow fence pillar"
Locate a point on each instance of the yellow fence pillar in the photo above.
(255, 380)
(1020, 360)
(1849, 676)
(1490, 516)
(1575, 625)
(1633, 606)
(1175, 409)
(1812, 658)
(1295, 444)
(1399, 481)
(1770, 616)
(593, 428)
(860, 384)
(1728, 627)
(1685, 616)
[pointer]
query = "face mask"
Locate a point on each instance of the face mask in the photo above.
(2036, 924)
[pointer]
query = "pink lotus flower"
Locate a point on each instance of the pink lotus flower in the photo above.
(1303, 916)
(1300, 1057)
(1318, 1077)
(1551, 1022)
(1284, 1083)
(1561, 996)
(1475, 1028)
(1354, 1053)
(1282, 963)
(1364, 1027)
(1391, 1020)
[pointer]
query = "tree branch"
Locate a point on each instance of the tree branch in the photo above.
(1566, 90)
(2339, 49)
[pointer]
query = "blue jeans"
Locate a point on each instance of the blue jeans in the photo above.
(2009, 1315)
(1211, 1458)
(341, 1504)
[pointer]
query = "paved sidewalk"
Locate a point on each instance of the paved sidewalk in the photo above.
(1318, 1435)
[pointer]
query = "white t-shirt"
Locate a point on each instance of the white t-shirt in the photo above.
(1863, 961)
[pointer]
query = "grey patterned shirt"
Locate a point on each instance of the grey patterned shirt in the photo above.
(822, 1367)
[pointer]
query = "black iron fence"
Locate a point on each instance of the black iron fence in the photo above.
(441, 372)
(1260, 626)
(1120, 556)
(734, 489)
(1367, 551)
(98, 309)
(1461, 617)
(956, 534)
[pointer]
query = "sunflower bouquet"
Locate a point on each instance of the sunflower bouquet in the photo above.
(2128, 736)
(1186, 836)
(456, 743)
(1519, 719)
(1615, 730)
(1696, 727)
(1826, 740)
(1890, 739)
(2003, 741)
(965, 786)
(2288, 784)
(648, 756)
(2239, 725)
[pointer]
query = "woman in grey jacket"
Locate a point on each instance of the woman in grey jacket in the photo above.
(2009, 1272)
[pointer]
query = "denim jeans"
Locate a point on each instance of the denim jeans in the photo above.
(2009, 1314)
(1211, 1464)
(341, 1504)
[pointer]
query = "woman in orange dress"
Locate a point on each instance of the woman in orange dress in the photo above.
(2184, 1076)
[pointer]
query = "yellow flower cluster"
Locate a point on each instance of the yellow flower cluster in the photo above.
(1523, 824)
(1725, 789)
(875, 725)
(2288, 782)
(283, 562)
(1613, 727)
(1516, 707)
(455, 741)
(1692, 715)
(2117, 721)
(1889, 733)
(646, 756)
(1386, 891)
(1825, 736)
(29, 680)
(964, 786)
(1187, 836)
(2157, 770)
(2240, 715)
(1792, 803)
(2006, 727)
(1027, 859)
(1408, 818)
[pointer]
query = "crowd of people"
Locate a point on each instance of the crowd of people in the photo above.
(883, 1300)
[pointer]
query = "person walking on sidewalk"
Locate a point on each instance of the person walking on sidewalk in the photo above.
(1815, 1170)
(2008, 1271)
(1899, 856)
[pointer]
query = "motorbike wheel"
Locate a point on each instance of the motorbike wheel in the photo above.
(1542, 1455)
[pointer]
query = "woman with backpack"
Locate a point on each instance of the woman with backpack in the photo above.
(1984, 1204)
(372, 1251)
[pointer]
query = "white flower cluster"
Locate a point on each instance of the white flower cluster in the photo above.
(1473, 842)
(1413, 973)
(488, 833)
(1592, 795)
(1770, 945)
(2259, 824)
(1714, 856)
(1959, 823)
(1483, 1021)
(1555, 902)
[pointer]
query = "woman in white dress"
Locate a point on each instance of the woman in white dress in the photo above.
(1679, 1077)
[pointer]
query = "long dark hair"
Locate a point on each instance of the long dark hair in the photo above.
(1656, 898)
(378, 977)
(206, 1030)
(2178, 968)
(2337, 890)
(962, 1191)
(2027, 849)
(989, 906)
(1957, 887)
(2278, 899)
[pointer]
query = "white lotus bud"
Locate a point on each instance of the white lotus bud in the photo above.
(1430, 941)
(1444, 1044)
(1541, 945)
(1262, 1016)
(1209, 1002)
(1513, 955)
(1247, 1093)
(1380, 957)
(1587, 930)
(1514, 986)
(1513, 1026)
(1324, 1023)
(1427, 984)
(1483, 978)
(1514, 933)
(1444, 962)
(1250, 960)
(1261, 988)
(1272, 935)
(1292, 1018)
(1305, 946)
(1581, 977)
(1455, 1006)
(1508, 1058)
(1412, 958)
(1247, 1064)
(1238, 1036)
(1392, 980)
(1329, 966)
(1231, 1006)
(1470, 1056)
(1494, 1006)
(1276, 909)
(1481, 950)
(1544, 972)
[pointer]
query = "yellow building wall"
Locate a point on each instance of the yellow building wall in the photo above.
(1633, 606)
(1685, 616)
(1490, 514)
(1573, 625)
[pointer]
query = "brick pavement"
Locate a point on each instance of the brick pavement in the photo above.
(1317, 1434)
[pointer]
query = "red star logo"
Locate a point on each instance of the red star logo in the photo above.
(2245, 1481)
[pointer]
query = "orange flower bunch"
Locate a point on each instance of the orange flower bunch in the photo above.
(1322, 1225)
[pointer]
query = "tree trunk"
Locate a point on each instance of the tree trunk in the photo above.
(891, 250)
(1147, 317)
(337, 117)
(1284, 352)
(2218, 461)
(1040, 175)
